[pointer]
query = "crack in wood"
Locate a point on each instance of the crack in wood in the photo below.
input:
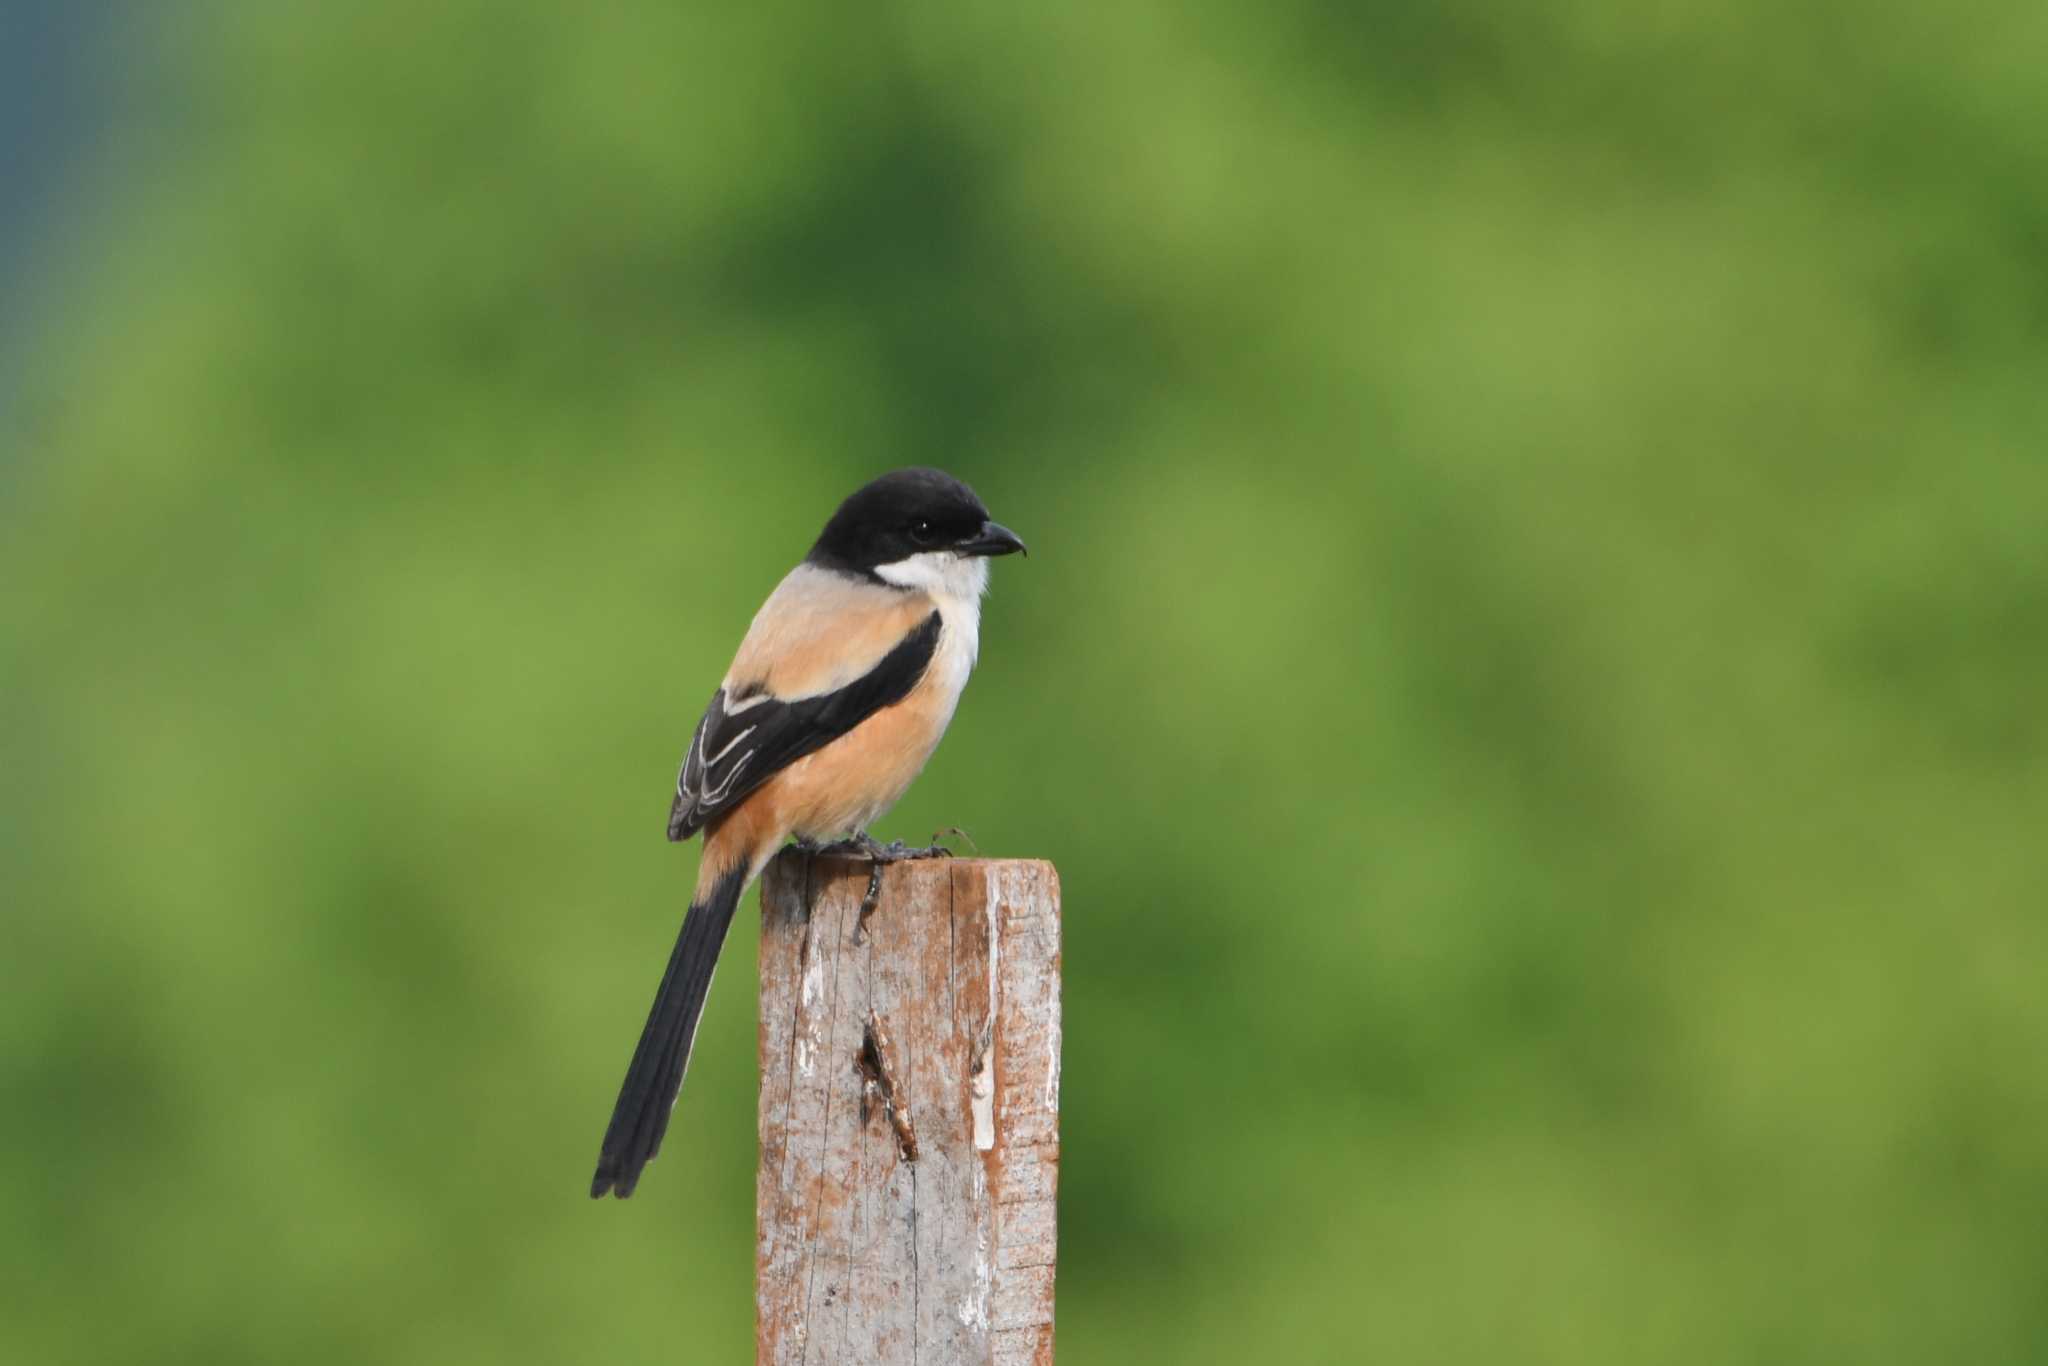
(942, 1023)
(878, 1086)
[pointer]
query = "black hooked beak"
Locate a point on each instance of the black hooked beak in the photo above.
(993, 539)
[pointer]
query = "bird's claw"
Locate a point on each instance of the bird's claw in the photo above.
(874, 851)
(853, 846)
(879, 856)
(896, 851)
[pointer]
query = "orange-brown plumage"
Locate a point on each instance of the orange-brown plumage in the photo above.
(819, 631)
(844, 786)
(842, 688)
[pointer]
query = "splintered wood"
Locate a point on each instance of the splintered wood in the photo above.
(910, 1102)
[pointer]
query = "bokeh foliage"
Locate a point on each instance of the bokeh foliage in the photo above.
(1531, 667)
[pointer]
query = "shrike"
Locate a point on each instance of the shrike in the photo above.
(837, 697)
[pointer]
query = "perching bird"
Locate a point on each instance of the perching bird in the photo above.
(837, 697)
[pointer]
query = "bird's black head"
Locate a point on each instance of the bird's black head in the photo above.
(908, 513)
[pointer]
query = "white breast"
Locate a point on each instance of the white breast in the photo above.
(956, 583)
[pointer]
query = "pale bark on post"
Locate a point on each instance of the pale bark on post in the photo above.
(910, 1082)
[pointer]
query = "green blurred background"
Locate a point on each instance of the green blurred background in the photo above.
(1532, 665)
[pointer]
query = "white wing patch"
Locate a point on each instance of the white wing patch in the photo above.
(940, 650)
(703, 763)
(714, 795)
(719, 758)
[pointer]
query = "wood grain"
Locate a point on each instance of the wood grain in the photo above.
(941, 1020)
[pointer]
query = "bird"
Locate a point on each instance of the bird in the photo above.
(840, 691)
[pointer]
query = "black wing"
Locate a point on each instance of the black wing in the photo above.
(743, 742)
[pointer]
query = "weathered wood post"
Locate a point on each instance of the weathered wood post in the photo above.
(910, 1094)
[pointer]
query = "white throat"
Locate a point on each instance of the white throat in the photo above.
(952, 578)
(956, 583)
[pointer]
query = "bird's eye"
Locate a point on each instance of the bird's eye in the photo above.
(921, 532)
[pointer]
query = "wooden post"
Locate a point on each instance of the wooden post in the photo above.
(910, 1094)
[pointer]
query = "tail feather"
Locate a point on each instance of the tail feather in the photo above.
(656, 1073)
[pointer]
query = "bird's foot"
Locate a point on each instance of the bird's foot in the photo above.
(896, 851)
(879, 856)
(864, 845)
(854, 846)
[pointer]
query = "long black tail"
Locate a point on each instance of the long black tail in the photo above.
(656, 1072)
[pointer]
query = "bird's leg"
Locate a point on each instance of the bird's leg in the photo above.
(896, 851)
(878, 855)
(859, 844)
